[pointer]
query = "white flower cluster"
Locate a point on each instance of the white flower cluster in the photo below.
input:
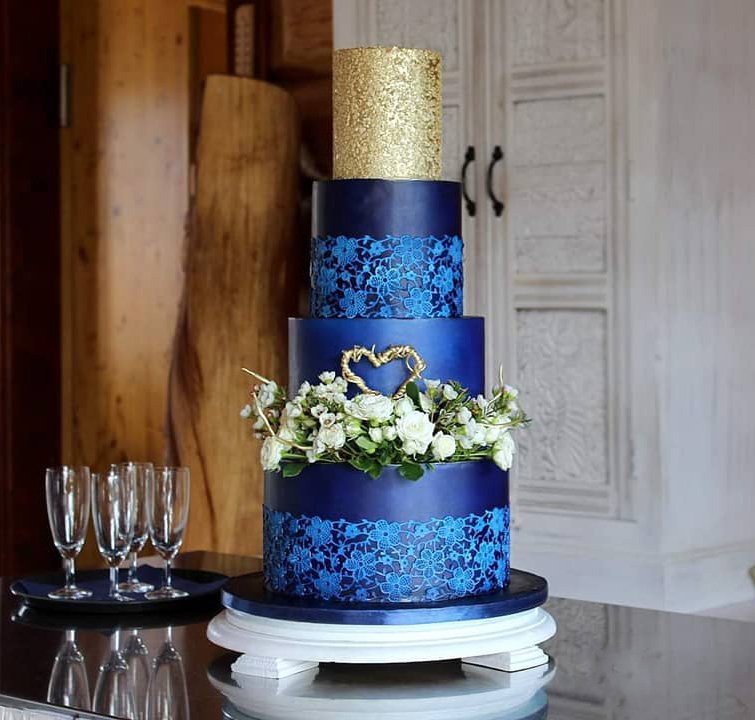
(370, 431)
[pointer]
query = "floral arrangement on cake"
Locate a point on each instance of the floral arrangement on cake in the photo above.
(370, 431)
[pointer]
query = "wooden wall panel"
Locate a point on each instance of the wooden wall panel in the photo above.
(242, 281)
(125, 170)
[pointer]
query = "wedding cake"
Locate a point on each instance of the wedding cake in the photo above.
(386, 465)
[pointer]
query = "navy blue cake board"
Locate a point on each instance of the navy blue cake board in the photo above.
(247, 594)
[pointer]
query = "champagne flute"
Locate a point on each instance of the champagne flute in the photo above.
(69, 685)
(142, 475)
(168, 696)
(67, 490)
(113, 513)
(168, 512)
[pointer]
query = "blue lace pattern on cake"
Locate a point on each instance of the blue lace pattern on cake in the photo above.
(382, 561)
(393, 277)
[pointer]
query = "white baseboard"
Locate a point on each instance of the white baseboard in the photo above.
(683, 582)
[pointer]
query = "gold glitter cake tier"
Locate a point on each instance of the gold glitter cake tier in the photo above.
(387, 113)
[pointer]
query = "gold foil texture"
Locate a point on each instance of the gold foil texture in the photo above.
(387, 113)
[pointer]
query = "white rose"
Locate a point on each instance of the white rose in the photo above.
(482, 402)
(327, 420)
(416, 431)
(404, 405)
(327, 377)
(311, 455)
(443, 446)
(259, 423)
(510, 390)
(290, 413)
(492, 433)
(372, 407)
(271, 453)
(293, 409)
(432, 384)
(464, 415)
(449, 393)
(266, 394)
(318, 410)
(304, 389)
(246, 411)
(425, 403)
(332, 436)
(389, 433)
(376, 434)
(503, 451)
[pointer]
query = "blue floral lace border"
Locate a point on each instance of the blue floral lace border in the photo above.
(391, 277)
(382, 561)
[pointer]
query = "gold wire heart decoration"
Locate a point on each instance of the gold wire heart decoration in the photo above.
(395, 352)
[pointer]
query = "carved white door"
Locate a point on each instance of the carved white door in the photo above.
(556, 77)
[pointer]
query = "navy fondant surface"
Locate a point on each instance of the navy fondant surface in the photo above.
(400, 276)
(378, 208)
(334, 532)
(248, 594)
(452, 348)
(332, 490)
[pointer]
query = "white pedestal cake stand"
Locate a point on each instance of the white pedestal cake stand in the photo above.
(278, 646)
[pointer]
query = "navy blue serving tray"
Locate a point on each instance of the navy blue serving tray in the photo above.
(203, 586)
(247, 594)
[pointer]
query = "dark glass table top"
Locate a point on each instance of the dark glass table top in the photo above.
(610, 662)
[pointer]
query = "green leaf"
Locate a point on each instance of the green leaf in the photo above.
(375, 469)
(411, 470)
(412, 392)
(362, 463)
(292, 469)
(366, 444)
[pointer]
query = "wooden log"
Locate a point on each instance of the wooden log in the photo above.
(242, 282)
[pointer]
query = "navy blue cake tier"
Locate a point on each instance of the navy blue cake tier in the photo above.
(386, 249)
(334, 533)
(452, 348)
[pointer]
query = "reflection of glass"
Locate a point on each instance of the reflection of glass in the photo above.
(113, 694)
(136, 655)
(142, 476)
(168, 696)
(67, 491)
(69, 685)
(113, 515)
(168, 512)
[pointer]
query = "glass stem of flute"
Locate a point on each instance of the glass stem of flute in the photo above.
(133, 566)
(113, 581)
(69, 568)
(168, 576)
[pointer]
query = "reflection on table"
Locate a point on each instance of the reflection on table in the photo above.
(431, 691)
(611, 662)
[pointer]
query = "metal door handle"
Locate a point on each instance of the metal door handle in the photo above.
(468, 160)
(498, 206)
